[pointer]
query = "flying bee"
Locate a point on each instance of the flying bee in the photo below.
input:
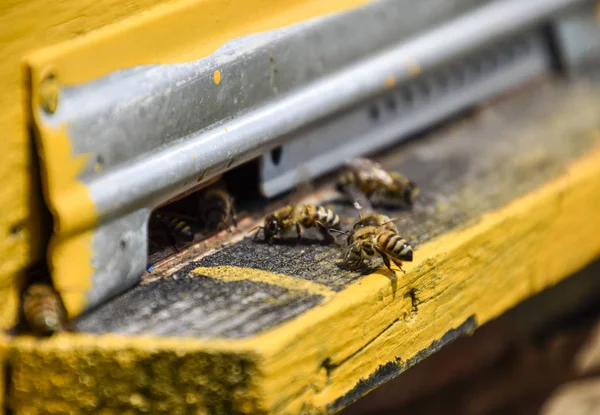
(370, 241)
(43, 310)
(217, 209)
(300, 217)
(371, 179)
(175, 227)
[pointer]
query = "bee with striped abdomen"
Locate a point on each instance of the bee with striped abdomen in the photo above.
(372, 180)
(369, 241)
(43, 309)
(380, 222)
(175, 227)
(217, 209)
(300, 217)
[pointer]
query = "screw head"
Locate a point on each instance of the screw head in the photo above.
(49, 92)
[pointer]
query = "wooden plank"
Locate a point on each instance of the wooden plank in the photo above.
(505, 191)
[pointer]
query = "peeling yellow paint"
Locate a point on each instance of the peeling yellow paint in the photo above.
(70, 249)
(217, 77)
(231, 273)
(390, 81)
(413, 67)
(5, 343)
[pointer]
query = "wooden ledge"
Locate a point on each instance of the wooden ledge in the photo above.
(510, 206)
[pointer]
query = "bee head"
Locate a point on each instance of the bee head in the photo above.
(272, 228)
(353, 257)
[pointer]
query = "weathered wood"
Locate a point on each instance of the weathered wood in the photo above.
(509, 208)
(510, 364)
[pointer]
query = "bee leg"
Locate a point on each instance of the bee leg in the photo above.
(386, 259)
(325, 232)
(258, 229)
(299, 233)
(399, 265)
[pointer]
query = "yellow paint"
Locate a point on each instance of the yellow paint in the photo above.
(413, 67)
(520, 249)
(390, 81)
(179, 31)
(230, 273)
(70, 249)
(26, 25)
(217, 77)
(5, 343)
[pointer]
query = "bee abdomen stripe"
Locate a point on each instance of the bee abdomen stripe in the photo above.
(334, 219)
(390, 236)
(405, 248)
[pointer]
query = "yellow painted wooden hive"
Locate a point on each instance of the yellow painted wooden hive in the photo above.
(508, 207)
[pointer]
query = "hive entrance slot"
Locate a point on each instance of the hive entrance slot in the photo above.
(203, 212)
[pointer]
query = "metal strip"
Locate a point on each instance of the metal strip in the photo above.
(154, 132)
(165, 173)
(404, 110)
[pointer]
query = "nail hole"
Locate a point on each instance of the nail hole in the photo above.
(100, 160)
(374, 113)
(521, 48)
(472, 70)
(408, 96)
(16, 229)
(487, 63)
(458, 75)
(424, 89)
(122, 244)
(390, 103)
(276, 154)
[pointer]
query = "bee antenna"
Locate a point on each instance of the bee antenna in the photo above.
(389, 221)
(339, 232)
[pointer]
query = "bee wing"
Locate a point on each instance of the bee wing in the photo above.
(370, 170)
(361, 203)
(399, 177)
(303, 189)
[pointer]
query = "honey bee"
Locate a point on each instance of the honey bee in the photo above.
(300, 217)
(376, 220)
(369, 241)
(43, 309)
(217, 209)
(371, 179)
(174, 225)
